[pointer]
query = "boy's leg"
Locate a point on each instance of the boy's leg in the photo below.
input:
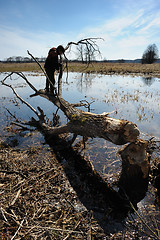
(47, 85)
(52, 78)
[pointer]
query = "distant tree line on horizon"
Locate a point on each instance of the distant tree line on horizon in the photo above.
(19, 59)
(149, 56)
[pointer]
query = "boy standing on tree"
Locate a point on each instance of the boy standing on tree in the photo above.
(52, 64)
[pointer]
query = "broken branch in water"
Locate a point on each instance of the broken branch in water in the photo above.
(17, 95)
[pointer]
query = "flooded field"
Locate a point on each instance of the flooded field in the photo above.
(136, 99)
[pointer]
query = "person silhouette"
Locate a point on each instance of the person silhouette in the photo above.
(51, 65)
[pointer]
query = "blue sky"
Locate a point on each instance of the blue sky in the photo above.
(127, 26)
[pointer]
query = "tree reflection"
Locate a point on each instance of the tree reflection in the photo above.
(148, 80)
(85, 81)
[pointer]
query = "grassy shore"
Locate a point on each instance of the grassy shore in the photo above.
(152, 70)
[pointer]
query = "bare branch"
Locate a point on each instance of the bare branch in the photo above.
(89, 41)
(24, 77)
(22, 125)
(41, 68)
(17, 120)
(17, 95)
(37, 63)
(90, 44)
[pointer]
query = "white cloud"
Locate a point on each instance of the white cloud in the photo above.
(116, 26)
(153, 23)
(127, 36)
(14, 42)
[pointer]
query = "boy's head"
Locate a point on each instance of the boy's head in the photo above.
(60, 50)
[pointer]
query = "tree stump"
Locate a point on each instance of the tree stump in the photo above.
(133, 181)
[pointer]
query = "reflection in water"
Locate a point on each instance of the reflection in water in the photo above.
(125, 97)
(148, 80)
(84, 81)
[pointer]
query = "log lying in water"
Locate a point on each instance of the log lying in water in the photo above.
(92, 125)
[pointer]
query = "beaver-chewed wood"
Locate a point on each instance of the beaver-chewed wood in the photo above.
(91, 124)
(134, 177)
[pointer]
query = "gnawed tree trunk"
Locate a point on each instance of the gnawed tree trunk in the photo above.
(133, 181)
(92, 125)
(134, 177)
(155, 173)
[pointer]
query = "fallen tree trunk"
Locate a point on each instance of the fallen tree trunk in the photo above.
(92, 125)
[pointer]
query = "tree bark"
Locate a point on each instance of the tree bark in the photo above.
(92, 125)
(134, 177)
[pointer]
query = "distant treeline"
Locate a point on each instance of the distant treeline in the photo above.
(20, 59)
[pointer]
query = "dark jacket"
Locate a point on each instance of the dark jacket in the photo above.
(51, 62)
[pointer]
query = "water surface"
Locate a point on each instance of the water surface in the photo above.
(135, 99)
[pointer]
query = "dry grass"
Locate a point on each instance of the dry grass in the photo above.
(118, 68)
(37, 201)
(102, 68)
(20, 67)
